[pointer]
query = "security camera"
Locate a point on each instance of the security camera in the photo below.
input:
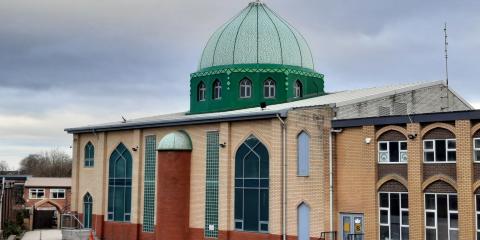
(135, 148)
(412, 136)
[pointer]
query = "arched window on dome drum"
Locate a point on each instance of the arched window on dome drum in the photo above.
(87, 210)
(217, 90)
(245, 88)
(201, 89)
(251, 186)
(120, 184)
(89, 155)
(269, 88)
(298, 89)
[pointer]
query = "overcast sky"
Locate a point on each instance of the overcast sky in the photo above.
(72, 63)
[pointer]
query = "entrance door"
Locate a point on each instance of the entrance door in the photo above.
(352, 226)
(43, 219)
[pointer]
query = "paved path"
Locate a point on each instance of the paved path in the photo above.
(43, 235)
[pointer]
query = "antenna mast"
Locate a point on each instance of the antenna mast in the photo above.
(446, 52)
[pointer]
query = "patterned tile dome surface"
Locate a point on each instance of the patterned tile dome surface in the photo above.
(257, 35)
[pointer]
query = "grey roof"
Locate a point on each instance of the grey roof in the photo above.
(338, 99)
(48, 182)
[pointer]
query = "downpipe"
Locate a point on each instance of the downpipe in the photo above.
(284, 178)
(330, 173)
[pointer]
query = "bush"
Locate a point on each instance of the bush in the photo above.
(10, 228)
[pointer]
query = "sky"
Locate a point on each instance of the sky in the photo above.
(72, 63)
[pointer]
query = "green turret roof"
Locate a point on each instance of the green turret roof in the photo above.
(257, 35)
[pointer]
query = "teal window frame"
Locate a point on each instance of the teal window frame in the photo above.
(87, 210)
(120, 185)
(251, 211)
(89, 155)
(149, 184)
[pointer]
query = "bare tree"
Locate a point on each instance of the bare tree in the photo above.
(53, 163)
(4, 166)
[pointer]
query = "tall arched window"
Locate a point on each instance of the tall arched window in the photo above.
(303, 222)
(89, 155)
(120, 184)
(87, 210)
(251, 186)
(217, 90)
(269, 88)
(201, 91)
(298, 89)
(245, 88)
(303, 154)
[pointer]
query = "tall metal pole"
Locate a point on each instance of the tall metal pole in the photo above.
(1, 205)
(446, 52)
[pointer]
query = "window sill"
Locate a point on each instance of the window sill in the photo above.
(393, 163)
(439, 162)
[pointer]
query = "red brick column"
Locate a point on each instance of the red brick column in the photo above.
(173, 195)
(415, 180)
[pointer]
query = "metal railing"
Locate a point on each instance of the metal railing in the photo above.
(355, 236)
(328, 236)
(72, 228)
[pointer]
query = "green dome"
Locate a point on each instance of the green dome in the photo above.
(257, 35)
(175, 141)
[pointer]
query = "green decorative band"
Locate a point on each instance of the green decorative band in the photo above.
(253, 68)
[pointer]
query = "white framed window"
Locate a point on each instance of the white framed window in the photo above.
(441, 216)
(439, 150)
(392, 152)
(57, 193)
(393, 215)
(201, 91)
(217, 90)
(37, 193)
(298, 89)
(476, 149)
(245, 88)
(269, 88)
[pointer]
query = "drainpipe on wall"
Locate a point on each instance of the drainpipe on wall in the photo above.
(330, 172)
(284, 178)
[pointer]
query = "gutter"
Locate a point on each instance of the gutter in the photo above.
(179, 122)
(330, 173)
(284, 178)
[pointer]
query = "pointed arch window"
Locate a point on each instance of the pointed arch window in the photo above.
(298, 89)
(217, 90)
(245, 88)
(120, 184)
(269, 88)
(89, 155)
(201, 90)
(303, 154)
(252, 186)
(303, 213)
(87, 210)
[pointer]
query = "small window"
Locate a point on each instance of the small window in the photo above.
(440, 150)
(476, 149)
(245, 88)
(57, 193)
(89, 155)
(392, 152)
(37, 193)
(298, 89)
(217, 90)
(303, 154)
(269, 88)
(201, 92)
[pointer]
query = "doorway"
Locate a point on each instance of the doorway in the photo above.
(352, 226)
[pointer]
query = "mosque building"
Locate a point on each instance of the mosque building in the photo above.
(264, 152)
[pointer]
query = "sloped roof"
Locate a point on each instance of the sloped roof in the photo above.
(48, 182)
(338, 99)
